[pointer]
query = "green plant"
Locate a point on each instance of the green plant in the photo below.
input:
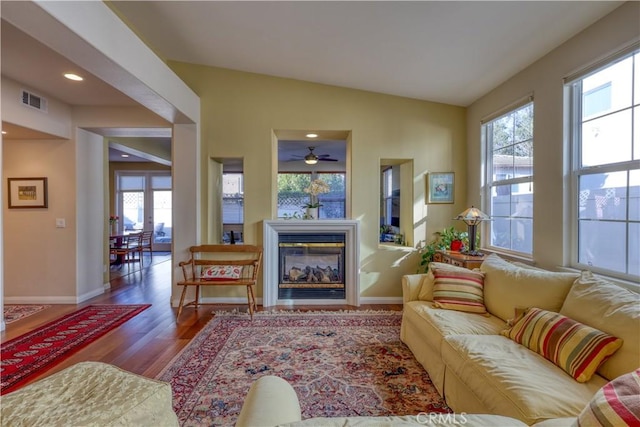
(442, 242)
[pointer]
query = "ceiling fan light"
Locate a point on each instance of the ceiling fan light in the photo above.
(311, 159)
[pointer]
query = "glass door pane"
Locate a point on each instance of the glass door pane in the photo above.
(132, 203)
(162, 220)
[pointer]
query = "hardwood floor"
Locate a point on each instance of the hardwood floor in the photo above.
(149, 341)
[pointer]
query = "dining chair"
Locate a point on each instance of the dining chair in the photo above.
(146, 243)
(131, 244)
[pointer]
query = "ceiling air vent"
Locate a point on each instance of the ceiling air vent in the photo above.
(34, 101)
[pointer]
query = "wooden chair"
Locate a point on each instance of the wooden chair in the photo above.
(221, 265)
(125, 251)
(146, 243)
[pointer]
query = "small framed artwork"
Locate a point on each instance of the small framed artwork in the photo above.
(440, 187)
(25, 193)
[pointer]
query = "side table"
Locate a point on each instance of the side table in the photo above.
(458, 259)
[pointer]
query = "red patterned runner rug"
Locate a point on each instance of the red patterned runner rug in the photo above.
(31, 353)
(339, 363)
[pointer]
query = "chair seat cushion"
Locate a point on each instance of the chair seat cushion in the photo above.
(222, 272)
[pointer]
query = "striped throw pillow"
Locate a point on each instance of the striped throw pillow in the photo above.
(459, 290)
(615, 404)
(576, 348)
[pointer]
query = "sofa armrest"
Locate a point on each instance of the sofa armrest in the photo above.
(411, 287)
(271, 401)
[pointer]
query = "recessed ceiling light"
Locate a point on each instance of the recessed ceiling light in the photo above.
(74, 77)
(4, 132)
(312, 135)
(124, 155)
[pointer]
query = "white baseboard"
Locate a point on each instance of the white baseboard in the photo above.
(241, 300)
(89, 295)
(54, 300)
(40, 300)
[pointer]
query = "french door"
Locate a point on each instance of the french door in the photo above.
(143, 202)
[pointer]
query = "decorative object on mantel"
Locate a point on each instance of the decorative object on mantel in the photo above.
(113, 222)
(317, 186)
(472, 217)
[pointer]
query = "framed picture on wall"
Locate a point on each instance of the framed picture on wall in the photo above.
(440, 187)
(25, 193)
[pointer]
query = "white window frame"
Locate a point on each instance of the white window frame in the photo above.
(490, 182)
(573, 118)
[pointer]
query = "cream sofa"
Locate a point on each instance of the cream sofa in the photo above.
(90, 394)
(480, 371)
(271, 401)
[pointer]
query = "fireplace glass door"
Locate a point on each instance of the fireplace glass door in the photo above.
(311, 266)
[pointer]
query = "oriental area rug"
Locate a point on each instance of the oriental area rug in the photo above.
(35, 351)
(15, 312)
(349, 363)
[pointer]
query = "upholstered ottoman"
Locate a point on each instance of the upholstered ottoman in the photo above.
(90, 394)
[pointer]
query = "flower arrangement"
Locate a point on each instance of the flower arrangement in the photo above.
(316, 187)
(113, 219)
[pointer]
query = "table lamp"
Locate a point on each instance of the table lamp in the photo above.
(472, 217)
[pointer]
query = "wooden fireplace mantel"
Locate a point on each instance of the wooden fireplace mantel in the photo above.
(272, 230)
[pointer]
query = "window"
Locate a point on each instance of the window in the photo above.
(232, 198)
(232, 207)
(605, 138)
(386, 213)
(292, 198)
(508, 140)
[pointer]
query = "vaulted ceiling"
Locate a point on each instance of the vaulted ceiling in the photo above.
(451, 52)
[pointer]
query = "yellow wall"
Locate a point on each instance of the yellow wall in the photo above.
(40, 259)
(240, 110)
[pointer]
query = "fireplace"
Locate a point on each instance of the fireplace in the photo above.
(311, 262)
(311, 266)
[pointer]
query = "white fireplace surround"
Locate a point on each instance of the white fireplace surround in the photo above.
(272, 229)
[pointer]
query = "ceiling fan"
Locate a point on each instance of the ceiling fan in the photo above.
(312, 158)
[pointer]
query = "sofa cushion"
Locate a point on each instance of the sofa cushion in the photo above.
(611, 309)
(426, 288)
(513, 381)
(615, 404)
(459, 290)
(507, 287)
(576, 348)
(443, 323)
(423, 328)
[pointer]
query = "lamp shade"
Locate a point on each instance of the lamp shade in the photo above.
(472, 216)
